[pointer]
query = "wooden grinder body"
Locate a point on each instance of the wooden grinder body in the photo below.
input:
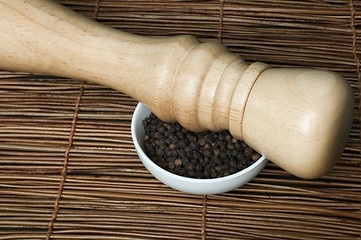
(298, 118)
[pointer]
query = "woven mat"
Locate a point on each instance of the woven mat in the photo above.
(68, 168)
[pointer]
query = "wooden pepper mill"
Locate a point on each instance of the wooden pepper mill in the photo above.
(298, 118)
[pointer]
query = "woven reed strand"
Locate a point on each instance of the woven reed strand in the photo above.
(108, 194)
(64, 171)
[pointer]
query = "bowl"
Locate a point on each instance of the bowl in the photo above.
(186, 184)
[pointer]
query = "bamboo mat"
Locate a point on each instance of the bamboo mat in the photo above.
(68, 168)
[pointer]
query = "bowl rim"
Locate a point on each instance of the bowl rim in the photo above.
(140, 151)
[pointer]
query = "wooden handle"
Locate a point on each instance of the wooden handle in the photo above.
(298, 118)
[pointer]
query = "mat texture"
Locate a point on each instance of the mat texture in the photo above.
(68, 168)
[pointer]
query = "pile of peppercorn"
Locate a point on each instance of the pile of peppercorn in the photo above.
(196, 155)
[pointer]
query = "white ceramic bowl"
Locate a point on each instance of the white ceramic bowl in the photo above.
(185, 184)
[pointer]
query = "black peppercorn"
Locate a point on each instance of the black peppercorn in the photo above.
(171, 165)
(201, 142)
(178, 162)
(255, 156)
(248, 151)
(207, 153)
(171, 146)
(160, 152)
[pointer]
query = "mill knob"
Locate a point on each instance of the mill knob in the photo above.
(298, 118)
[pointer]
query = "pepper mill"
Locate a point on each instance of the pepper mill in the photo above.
(298, 118)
